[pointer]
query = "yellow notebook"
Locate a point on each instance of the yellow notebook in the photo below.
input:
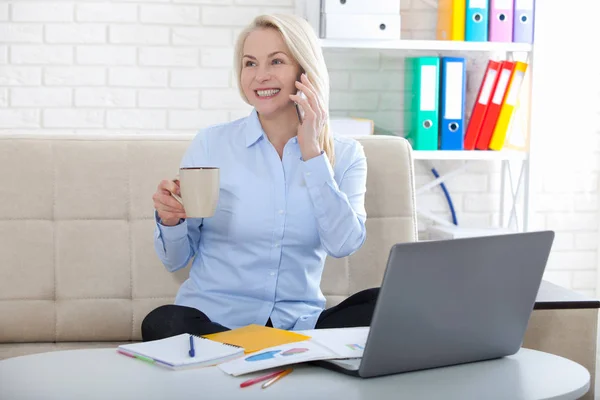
(256, 337)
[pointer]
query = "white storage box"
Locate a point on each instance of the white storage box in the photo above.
(349, 126)
(360, 7)
(354, 26)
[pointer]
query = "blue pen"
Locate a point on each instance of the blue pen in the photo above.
(192, 351)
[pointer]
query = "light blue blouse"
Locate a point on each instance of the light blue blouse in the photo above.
(262, 254)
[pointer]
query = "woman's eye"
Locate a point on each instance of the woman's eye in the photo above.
(249, 63)
(277, 61)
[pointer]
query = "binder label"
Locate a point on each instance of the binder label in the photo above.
(428, 88)
(513, 92)
(454, 92)
(524, 5)
(503, 4)
(501, 87)
(488, 85)
(478, 4)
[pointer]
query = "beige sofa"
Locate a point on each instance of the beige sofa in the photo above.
(77, 263)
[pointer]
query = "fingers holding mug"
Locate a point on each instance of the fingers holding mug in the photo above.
(168, 208)
(176, 192)
(195, 196)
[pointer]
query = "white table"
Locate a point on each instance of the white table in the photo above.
(104, 374)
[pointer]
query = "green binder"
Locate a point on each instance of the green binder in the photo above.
(422, 87)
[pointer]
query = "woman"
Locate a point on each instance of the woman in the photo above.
(290, 195)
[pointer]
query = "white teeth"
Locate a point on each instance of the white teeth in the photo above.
(267, 93)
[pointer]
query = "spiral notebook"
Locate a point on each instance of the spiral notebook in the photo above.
(173, 352)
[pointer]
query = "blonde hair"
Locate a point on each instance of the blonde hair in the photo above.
(302, 42)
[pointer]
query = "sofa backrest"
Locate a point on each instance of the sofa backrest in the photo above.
(77, 261)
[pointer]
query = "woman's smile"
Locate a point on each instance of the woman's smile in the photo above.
(266, 93)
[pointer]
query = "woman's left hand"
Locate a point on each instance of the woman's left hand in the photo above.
(314, 120)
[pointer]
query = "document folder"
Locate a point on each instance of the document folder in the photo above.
(508, 106)
(422, 98)
(486, 89)
(491, 116)
(451, 20)
(523, 21)
(477, 21)
(452, 103)
(501, 20)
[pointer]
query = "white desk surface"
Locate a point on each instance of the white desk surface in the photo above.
(104, 374)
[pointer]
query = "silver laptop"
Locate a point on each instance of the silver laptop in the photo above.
(451, 302)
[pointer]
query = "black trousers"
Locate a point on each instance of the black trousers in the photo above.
(171, 320)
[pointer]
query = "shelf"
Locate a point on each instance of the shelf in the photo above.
(408, 44)
(488, 155)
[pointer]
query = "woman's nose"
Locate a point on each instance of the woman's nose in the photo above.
(263, 74)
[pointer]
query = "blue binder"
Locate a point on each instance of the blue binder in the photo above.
(452, 103)
(477, 21)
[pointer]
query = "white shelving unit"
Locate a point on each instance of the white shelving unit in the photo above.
(433, 45)
(509, 212)
(474, 155)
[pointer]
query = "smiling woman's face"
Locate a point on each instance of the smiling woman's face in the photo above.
(268, 72)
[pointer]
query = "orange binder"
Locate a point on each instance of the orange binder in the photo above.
(491, 116)
(451, 20)
(256, 337)
(488, 84)
(508, 106)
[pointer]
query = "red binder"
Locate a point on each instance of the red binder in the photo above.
(488, 84)
(491, 116)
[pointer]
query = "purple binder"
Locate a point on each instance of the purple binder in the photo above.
(523, 21)
(501, 21)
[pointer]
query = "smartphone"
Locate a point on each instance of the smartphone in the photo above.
(299, 109)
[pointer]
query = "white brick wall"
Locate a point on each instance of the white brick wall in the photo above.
(87, 34)
(21, 33)
(3, 98)
(106, 12)
(41, 97)
(104, 97)
(153, 66)
(41, 11)
(3, 12)
(170, 14)
(140, 35)
(3, 54)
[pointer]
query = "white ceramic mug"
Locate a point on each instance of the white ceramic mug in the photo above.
(199, 188)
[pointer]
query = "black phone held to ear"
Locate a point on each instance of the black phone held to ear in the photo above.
(299, 110)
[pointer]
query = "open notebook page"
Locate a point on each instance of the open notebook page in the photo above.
(174, 351)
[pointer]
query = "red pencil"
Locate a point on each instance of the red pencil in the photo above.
(261, 378)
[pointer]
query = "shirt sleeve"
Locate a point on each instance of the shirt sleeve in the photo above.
(339, 210)
(176, 245)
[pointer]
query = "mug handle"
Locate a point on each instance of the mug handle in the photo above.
(176, 197)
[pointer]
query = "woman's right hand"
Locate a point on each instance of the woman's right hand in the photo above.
(169, 210)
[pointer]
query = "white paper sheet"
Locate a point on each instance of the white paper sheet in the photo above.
(324, 344)
(345, 342)
(276, 356)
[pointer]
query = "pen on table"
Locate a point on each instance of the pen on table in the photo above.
(192, 351)
(276, 378)
(261, 378)
(142, 358)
